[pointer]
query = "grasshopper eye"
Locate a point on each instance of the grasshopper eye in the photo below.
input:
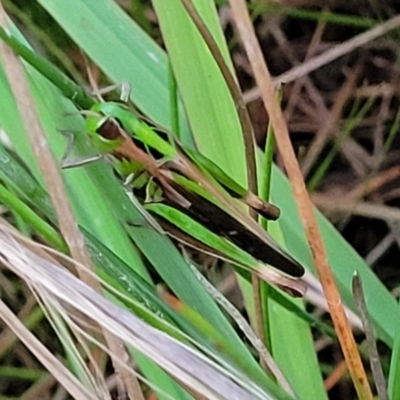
(110, 129)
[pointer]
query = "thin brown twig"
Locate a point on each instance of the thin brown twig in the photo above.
(323, 134)
(299, 84)
(374, 183)
(50, 171)
(336, 375)
(245, 122)
(249, 143)
(365, 209)
(301, 197)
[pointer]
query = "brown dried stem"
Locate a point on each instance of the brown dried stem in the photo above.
(249, 142)
(300, 194)
(50, 171)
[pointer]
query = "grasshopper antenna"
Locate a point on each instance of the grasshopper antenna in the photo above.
(124, 88)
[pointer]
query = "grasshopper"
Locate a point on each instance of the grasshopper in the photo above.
(189, 183)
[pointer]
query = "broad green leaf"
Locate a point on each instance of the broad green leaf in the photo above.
(210, 108)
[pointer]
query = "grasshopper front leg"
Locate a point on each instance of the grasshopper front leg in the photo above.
(71, 162)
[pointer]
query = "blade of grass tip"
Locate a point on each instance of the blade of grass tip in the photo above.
(268, 161)
(376, 367)
(49, 168)
(265, 83)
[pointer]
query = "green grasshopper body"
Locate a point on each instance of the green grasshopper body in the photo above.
(189, 182)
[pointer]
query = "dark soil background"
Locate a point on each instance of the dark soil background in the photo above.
(343, 120)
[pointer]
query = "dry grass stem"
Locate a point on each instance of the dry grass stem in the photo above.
(50, 172)
(376, 367)
(70, 297)
(49, 361)
(324, 133)
(336, 375)
(365, 209)
(249, 142)
(304, 204)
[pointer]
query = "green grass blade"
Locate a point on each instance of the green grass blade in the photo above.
(394, 372)
(292, 344)
(51, 236)
(204, 92)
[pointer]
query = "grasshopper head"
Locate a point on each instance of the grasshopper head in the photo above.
(103, 130)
